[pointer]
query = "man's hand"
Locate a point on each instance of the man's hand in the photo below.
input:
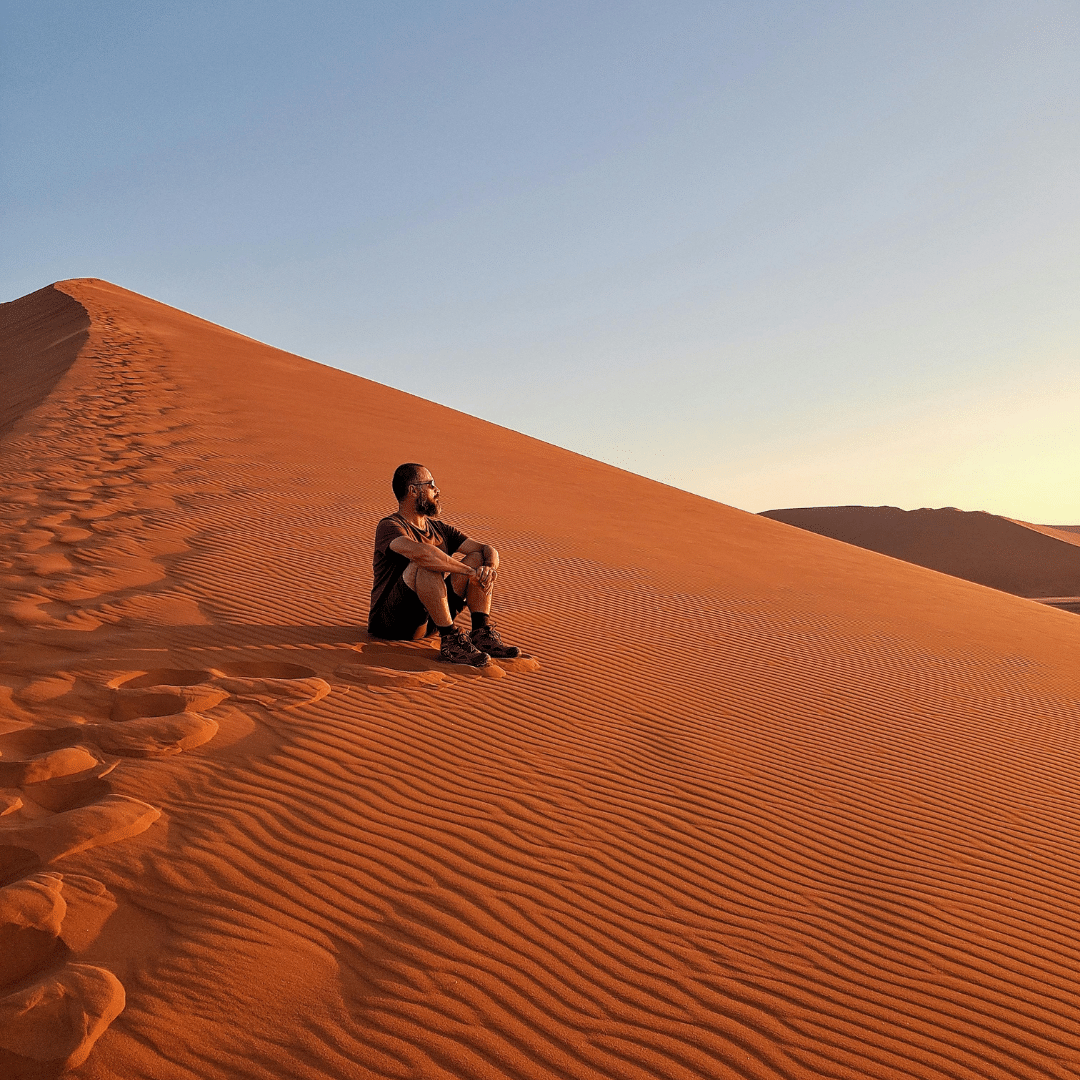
(485, 577)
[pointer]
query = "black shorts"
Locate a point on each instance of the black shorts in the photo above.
(401, 612)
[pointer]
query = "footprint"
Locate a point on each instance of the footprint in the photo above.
(157, 712)
(26, 741)
(115, 817)
(89, 905)
(95, 513)
(272, 684)
(160, 712)
(153, 736)
(163, 677)
(10, 711)
(78, 620)
(72, 535)
(57, 796)
(31, 911)
(27, 611)
(72, 591)
(276, 693)
(137, 704)
(68, 761)
(44, 565)
(34, 539)
(51, 1025)
(45, 689)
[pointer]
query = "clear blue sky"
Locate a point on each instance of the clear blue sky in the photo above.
(778, 253)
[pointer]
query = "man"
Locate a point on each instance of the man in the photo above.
(426, 572)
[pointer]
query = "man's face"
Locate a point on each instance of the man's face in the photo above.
(427, 495)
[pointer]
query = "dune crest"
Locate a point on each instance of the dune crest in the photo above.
(758, 804)
(1036, 561)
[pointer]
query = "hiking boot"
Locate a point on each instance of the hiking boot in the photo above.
(487, 638)
(456, 648)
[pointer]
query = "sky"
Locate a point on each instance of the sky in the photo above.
(780, 254)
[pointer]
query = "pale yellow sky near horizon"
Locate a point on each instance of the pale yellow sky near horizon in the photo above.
(1010, 449)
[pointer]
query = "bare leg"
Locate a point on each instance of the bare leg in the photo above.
(430, 587)
(475, 597)
(486, 638)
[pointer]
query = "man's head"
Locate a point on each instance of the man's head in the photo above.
(414, 487)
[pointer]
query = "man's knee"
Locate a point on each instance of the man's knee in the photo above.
(420, 579)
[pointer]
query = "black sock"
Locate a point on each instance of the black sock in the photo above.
(444, 630)
(479, 619)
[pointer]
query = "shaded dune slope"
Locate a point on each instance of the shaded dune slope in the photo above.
(1013, 556)
(41, 336)
(770, 807)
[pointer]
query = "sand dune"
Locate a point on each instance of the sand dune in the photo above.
(1037, 561)
(761, 806)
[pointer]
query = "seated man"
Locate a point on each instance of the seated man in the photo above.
(415, 556)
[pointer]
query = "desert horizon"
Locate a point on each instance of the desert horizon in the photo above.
(1040, 562)
(755, 804)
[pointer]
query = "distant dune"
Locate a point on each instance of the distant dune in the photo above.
(760, 805)
(1036, 561)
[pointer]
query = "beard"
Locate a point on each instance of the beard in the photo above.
(426, 506)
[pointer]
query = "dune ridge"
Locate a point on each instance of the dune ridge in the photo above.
(1035, 561)
(1055, 532)
(763, 806)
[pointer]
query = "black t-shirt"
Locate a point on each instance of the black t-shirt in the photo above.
(388, 566)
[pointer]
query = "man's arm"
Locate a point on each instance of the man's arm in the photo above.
(429, 557)
(487, 552)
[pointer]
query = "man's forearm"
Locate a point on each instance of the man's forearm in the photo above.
(432, 558)
(490, 556)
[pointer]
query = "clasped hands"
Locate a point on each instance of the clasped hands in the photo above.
(485, 576)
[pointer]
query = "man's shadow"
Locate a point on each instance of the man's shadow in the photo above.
(415, 665)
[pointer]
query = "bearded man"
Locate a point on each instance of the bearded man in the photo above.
(426, 572)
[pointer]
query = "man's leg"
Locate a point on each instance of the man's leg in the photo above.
(484, 635)
(401, 615)
(478, 601)
(430, 587)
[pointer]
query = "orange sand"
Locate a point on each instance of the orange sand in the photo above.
(768, 806)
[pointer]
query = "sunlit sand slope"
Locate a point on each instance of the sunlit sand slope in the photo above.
(763, 806)
(1014, 556)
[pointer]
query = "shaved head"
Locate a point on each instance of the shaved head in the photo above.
(404, 475)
